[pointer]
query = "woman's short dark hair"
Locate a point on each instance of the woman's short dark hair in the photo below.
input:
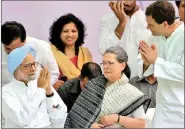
(161, 11)
(57, 26)
(121, 56)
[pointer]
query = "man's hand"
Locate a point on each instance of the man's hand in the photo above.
(149, 54)
(44, 79)
(118, 9)
(58, 84)
(109, 119)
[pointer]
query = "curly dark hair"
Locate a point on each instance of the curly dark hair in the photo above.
(161, 11)
(57, 26)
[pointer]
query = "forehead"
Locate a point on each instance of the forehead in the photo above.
(109, 57)
(29, 59)
(14, 44)
(150, 20)
(69, 25)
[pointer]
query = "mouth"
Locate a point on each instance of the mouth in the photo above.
(32, 74)
(69, 39)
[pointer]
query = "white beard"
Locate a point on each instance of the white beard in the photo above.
(32, 77)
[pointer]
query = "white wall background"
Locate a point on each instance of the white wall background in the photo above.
(37, 17)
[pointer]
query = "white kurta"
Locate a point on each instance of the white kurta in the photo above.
(28, 107)
(169, 70)
(135, 30)
(43, 56)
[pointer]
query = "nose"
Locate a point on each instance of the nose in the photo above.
(33, 67)
(69, 34)
(105, 66)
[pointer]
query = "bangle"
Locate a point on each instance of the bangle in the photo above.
(117, 33)
(50, 95)
(118, 118)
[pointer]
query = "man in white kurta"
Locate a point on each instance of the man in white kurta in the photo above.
(165, 58)
(125, 27)
(14, 36)
(27, 102)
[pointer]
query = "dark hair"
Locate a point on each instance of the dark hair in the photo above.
(161, 11)
(121, 56)
(12, 30)
(57, 26)
(90, 70)
(177, 3)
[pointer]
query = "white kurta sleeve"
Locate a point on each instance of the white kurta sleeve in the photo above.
(52, 66)
(50, 63)
(57, 110)
(169, 70)
(148, 72)
(22, 115)
(107, 36)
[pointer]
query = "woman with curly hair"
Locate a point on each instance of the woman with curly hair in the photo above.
(67, 36)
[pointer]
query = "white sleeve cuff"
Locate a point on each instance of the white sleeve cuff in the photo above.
(157, 66)
(149, 71)
(114, 39)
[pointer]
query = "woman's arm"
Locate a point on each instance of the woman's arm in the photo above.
(136, 119)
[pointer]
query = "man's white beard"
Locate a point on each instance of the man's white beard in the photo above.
(32, 77)
(29, 77)
(36, 75)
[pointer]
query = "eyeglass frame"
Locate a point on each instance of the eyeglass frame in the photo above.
(108, 63)
(35, 64)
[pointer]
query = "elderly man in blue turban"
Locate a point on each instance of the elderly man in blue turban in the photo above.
(28, 102)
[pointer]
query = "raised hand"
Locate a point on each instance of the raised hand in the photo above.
(118, 9)
(44, 79)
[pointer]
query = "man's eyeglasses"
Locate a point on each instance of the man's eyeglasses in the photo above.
(29, 65)
(108, 63)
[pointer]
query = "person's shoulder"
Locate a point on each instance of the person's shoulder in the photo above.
(85, 49)
(100, 80)
(7, 86)
(108, 17)
(74, 80)
(36, 42)
(7, 89)
(134, 79)
(71, 82)
(133, 87)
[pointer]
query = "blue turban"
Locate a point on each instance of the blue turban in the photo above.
(16, 57)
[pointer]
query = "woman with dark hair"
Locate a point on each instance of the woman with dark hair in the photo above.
(110, 100)
(67, 36)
